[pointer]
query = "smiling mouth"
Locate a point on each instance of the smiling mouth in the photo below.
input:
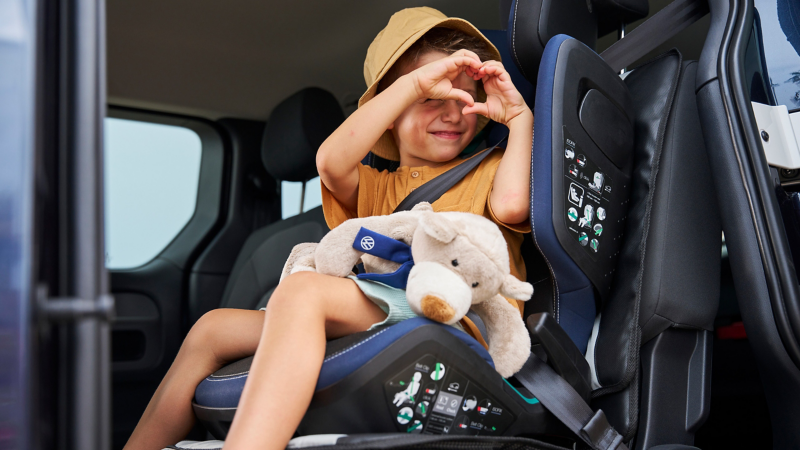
(447, 134)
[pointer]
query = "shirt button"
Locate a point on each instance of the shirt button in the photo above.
(414, 174)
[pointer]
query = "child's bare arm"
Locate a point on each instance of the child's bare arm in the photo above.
(511, 188)
(504, 104)
(339, 155)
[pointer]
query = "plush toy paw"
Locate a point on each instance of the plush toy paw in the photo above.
(300, 260)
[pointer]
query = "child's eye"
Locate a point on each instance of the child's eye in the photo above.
(434, 101)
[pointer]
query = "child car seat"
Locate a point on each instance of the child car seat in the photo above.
(657, 287)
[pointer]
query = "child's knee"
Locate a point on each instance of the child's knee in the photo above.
(308, 286)
(202, 333)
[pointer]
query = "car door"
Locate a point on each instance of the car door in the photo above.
(55, 381)
(163, 189)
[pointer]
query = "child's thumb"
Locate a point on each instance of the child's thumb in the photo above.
(477, 108)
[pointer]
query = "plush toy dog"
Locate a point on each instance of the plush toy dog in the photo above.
(460, 261)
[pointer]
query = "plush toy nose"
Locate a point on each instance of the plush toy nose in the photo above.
(437, 293)
(437, 309)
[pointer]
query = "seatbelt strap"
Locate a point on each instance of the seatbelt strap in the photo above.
(435, 188)
(654, 31)
(568, 406)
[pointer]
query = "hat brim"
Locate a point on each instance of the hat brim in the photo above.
(386, 147)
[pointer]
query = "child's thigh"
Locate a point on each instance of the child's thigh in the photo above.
(345, 308)
(230, 334)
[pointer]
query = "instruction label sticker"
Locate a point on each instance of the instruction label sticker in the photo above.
(587, 192)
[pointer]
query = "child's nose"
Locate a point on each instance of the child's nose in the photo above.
(451, 110)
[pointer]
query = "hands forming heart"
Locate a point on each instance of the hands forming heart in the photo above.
(503, 100)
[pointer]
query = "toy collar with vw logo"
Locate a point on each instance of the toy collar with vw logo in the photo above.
(384, 247)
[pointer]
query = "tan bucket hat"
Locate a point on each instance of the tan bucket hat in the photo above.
(403, 30)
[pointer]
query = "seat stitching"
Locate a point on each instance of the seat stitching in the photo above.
(514, 39)
(230, 375)
(556, 303)
(242, 375)
(342, 352)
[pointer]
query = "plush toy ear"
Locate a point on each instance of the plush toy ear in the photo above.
(438, 227)
(516, 289)
(422, 206)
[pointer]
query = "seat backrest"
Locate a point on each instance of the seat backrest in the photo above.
(295, 130)
(661, 273)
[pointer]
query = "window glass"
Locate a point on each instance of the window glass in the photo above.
(151, 177)
(781, 40)
(290, 197)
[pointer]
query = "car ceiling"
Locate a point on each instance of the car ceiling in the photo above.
(239, 58)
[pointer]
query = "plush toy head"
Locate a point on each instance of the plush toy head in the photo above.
(460, 259)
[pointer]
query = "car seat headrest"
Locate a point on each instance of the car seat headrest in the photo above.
(613, 13)
(532, 23)
(295, 130)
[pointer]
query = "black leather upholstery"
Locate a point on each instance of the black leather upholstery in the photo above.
(680, 285)
(295, 130)
(613, 13)
(531, 24)
(668, 275)
(653, 90)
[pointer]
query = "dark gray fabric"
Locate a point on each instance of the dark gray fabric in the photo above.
(260, 262)
(295, 130)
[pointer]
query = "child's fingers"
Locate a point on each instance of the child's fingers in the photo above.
(473, 63)
(465, 52)
(477, 108)
(459, 95)
(492, 68)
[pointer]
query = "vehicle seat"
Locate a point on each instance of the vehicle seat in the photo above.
(652, 275)
(295, 130)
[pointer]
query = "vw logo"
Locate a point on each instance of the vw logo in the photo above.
(367, 242)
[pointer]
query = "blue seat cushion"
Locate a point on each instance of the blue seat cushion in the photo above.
(223, 388)
(575, 298)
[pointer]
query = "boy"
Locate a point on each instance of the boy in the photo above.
(423, 116)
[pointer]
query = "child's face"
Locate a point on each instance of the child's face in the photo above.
(434, 131)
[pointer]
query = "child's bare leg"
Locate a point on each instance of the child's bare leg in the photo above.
(305, 308)
(219, 337)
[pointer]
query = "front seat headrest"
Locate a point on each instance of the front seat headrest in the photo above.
(532, 23)
(295, 130)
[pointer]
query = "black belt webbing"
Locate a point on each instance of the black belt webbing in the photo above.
(661, 26)
(561, 399)
(435, 188)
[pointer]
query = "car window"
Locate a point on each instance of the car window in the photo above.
(781, 42)
(291, 193)
(151, 180)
